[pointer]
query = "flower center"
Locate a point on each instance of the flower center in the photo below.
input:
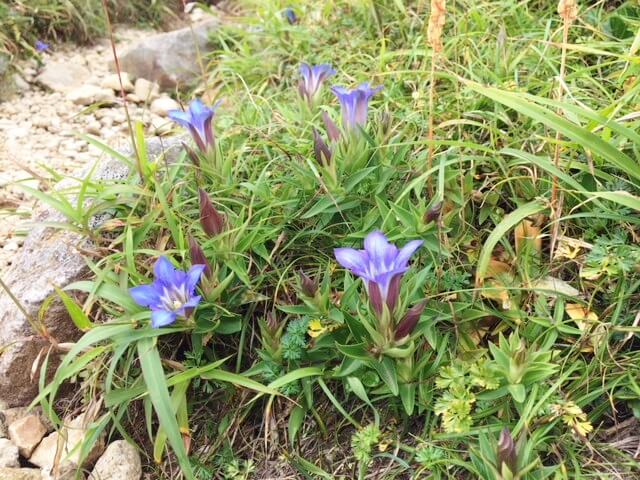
(174, 297)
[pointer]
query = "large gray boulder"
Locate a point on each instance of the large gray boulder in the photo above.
(170, 59)
(49, 257)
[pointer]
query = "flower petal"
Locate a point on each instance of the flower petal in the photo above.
(178, 116)
(406, 252)
(145, 295)
(381, 252)
(354, 260)
(165, 271)
(193, 302)
(162, 318)
(193, 277)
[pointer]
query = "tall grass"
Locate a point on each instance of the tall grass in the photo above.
(81, 21)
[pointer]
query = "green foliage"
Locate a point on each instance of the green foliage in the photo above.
(82, 21)
(510, 337)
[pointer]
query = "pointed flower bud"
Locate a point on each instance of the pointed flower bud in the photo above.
(408, 323)
(308, 286)
(332, 129)
(507, 454)
(191, 153)
(211, 220)
(198, 257)
(321, 149)
(433, 213)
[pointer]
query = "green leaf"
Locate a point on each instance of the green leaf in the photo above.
(509, 222)
(79, 318)
(518, 392)
(296, 419)
(386, 368)
(581, 136)
(154, 377)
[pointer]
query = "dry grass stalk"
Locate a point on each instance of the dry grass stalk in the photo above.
(568, 11)
(437, 19)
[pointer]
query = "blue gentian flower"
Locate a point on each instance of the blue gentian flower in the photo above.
(197, 119)
(381, 265)
(355, 104)
(172, 293)
(41, 46)
(312, 79)
(290, 15)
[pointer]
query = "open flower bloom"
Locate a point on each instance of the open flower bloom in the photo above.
(381, 265)
(41, 46)
(355, 104)
(312, 79)
(197, 119)
(172, 293)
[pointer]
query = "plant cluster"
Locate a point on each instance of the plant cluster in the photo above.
(469, 337)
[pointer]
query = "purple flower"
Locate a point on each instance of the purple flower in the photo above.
(172, 293)
(290, 15)
(381, 265)
(355, 104)
(197, 119)
(312, 79)
(41, 46)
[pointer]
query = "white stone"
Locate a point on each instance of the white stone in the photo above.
(9, 456)
(161, 106)
(121, 461)
(21, 84)
(145, 90)
(88, 94)
(73, 434)
(20, 474)
(113, 82)
(132, 97)
(63, 76)
(26, 434)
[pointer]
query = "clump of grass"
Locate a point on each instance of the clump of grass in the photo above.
(22, 22)
(520, 362)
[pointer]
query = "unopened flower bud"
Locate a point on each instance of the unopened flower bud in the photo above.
(198, 257)
(332, 129)
(433, 213)
(191, 153)
(211, 220)
(308, 286)
(321, 149)
(507, 454)
(408, 323)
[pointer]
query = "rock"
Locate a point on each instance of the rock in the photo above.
(11, 415)
(63, 76)
(132, 97)
(113, 82)
(71, 436)
(170, 59)
(20, 83)
(66, 472)
(161, 106)
(9, 456)
(20, 474)
(49, 257)
(94, 127)
(121, 461)
(88, 94)
(26, 434)
(146, 91)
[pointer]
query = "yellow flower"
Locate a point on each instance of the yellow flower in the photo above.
(316, 328)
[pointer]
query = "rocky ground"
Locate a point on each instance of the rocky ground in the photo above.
(70, 91)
